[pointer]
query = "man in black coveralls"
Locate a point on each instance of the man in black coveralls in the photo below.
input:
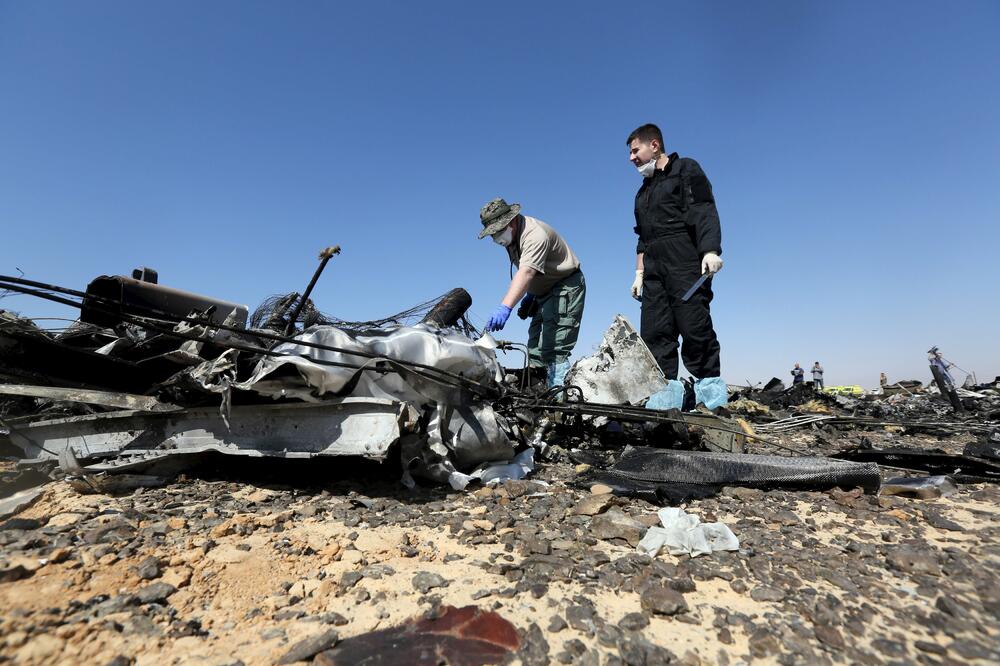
(680, 239)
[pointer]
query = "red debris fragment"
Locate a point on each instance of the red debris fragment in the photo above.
(464, 636)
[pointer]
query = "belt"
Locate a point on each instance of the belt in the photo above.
(667, 233)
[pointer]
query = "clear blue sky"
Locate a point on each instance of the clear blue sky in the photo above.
(854, 148)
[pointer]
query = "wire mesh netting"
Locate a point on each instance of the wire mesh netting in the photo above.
(446, 310)
(757, 471)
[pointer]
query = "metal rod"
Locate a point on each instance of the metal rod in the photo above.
(324, 257)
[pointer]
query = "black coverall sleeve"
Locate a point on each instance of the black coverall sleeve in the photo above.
(640, 247)
(703, 216)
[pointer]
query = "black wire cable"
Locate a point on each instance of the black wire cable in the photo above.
(457, 380)
(399, 366)
(171, 318)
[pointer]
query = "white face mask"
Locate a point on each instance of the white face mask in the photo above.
(646, 170)
(505, 237)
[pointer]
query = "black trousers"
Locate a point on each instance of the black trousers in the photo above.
(670, 267)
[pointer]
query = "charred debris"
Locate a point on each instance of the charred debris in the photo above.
(150, 378)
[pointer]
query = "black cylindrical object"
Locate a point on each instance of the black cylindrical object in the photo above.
(449, 309)
(110, 296)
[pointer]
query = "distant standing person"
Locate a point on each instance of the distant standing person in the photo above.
(798, 375)
(817, 371)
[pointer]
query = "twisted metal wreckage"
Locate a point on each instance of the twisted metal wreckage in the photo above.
(149, 376)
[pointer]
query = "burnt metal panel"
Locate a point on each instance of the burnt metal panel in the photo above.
(346, 427)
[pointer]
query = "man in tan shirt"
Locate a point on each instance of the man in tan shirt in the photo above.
(548, 278)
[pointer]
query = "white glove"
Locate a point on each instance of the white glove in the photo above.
(711, 263)
(637, 286)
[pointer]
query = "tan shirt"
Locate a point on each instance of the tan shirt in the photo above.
(541, 248)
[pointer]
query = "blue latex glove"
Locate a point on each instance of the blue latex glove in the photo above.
(499, 318)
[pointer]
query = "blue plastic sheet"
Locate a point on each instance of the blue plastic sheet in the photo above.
(669, 397)
(557, 373)
(711, 392)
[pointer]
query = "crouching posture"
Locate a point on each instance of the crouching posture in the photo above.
(549, 285)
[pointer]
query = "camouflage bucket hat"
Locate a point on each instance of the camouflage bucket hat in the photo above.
(496, 215)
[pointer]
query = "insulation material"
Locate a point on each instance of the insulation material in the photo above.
(660, 466)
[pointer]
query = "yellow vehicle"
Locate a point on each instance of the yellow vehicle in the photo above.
(854, 390)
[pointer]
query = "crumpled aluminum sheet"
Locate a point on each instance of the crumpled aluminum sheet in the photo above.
(422, 343)
(621, 370)
(460, 435)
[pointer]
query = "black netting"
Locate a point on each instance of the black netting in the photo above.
(445, 310)
(658, 466)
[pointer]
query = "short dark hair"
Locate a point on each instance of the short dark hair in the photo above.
(645, 133)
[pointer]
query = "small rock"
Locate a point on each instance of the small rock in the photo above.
(581, 618)
(762, 643)
(829, 635)
(592, 505)
(616, 525)
(767, 593)
(949, 606)
(149, 568)
(601, 489)
(11, 572)
(59, 555)
(22, 524)
(310, 647)
(272, 633)
(534, 648)
(933, 648)
(888, 647)
(911, 560)
(349, 580)
(634, 622)
(935, 519)
(662, 600)
(155, 593)
(178, 577)
(425, 581)
(970, 649)
(573, 649)
(637, 650)
(336, 619)
(745, 494)
(538, 546)
(116, 604)
(557, 624)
